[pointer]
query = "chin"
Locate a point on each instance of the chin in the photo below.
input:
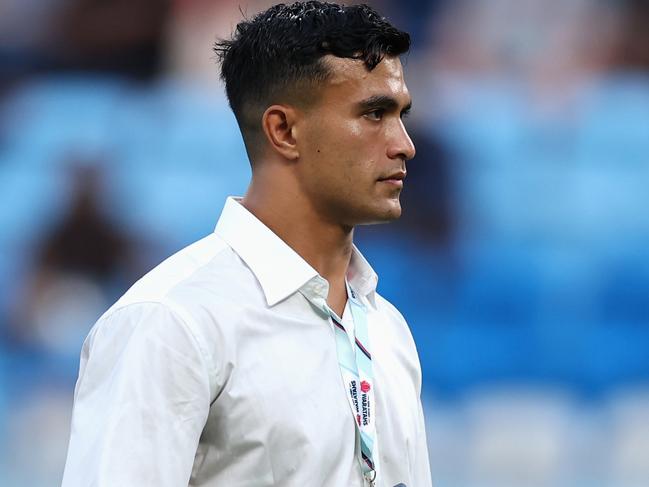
(393, 215)
(392, 209)
(385, 214)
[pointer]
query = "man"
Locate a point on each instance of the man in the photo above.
(262, 355)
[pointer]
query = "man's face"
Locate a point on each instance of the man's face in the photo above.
(353, 144)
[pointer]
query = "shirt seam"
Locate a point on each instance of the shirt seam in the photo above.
(184, 318)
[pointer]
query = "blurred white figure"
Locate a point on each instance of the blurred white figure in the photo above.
(63, 311)
(518, 437)
(448, 442)
(629, 442)
(38, 428)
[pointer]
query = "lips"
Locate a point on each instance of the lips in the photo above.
(395, 178)
(400, 175)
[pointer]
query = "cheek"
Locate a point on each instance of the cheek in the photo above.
(352, 143)
(339, 140)
(342, 152)
(354, 129)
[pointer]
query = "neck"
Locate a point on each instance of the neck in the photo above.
(325, 245)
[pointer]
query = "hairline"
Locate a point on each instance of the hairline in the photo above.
(253, 130)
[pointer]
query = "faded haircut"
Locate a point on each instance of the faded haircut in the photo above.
(277, 55)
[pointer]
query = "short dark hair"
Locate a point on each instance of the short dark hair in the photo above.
(278, 53)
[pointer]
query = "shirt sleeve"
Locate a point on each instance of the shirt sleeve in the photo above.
(141, 402)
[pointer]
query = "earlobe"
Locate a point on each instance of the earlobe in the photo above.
(278, 122)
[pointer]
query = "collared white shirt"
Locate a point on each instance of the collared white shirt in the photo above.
(215, 370)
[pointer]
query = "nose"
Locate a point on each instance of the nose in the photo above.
(401, 146)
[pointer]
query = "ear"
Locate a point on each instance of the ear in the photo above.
(278, 123)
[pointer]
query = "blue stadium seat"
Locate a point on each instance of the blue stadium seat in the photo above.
(62, 115)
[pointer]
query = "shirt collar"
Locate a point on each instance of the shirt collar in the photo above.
(278, 268)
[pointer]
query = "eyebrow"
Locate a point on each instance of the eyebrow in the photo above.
(382, 101)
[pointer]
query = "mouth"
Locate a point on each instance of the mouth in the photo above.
(395, 179)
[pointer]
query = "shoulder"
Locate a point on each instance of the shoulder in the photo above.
(202, 275)
(136, 326)
(207, 273)
(175, 272)
(163, 308)
(202, 285)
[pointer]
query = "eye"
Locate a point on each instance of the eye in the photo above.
(376, 114)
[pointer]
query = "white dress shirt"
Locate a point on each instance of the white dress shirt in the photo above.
(215, 370)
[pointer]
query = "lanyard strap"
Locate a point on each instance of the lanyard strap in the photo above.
(356, 368)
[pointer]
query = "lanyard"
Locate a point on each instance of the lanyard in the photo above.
(356, 368)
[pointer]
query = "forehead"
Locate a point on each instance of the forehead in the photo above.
(351, 81)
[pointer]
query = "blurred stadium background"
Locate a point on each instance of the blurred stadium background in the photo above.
(521, 261)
